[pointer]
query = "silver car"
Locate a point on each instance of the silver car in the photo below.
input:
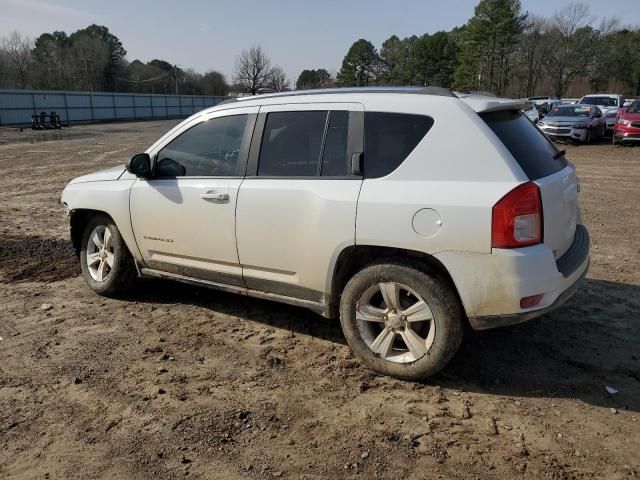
(577, 123)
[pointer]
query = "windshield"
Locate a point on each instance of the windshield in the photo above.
(634, 107)
(604, 101)
(570, 111)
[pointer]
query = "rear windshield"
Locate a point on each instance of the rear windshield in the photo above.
(531, 149)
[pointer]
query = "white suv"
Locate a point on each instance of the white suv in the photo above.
(405, 212)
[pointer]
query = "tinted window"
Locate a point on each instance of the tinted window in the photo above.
(334, 158)
(571, 111)
(531, 149)
(291, 144)
(602, 101)
(210, 148)
(389, 138)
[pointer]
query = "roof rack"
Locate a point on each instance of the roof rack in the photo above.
(439, 91)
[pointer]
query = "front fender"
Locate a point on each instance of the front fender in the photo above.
(110, 197)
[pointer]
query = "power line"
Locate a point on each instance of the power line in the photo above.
(146, 80)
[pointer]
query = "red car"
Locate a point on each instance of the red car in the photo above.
(627, 127)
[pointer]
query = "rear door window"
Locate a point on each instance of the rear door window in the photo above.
(389, 138)
(334, 156)
(528, 145)
(292, 144)
(305, 144)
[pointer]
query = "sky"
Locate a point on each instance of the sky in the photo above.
(209, 34)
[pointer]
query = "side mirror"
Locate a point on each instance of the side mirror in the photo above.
(170, 168)
(598, 114)
(140, 165)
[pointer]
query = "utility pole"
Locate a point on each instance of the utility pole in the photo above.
(175, 73)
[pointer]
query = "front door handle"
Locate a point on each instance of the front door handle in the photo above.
(216, 197)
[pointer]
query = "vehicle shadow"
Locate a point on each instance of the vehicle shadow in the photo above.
(574, 352)
(275, 314)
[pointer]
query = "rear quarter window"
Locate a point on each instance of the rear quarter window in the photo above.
(529, 146)
(389, 138)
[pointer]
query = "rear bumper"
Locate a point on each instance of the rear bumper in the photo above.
(491, 294)
(494, 321)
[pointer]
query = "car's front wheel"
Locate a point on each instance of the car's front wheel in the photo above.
(401, 321)
(107, 265)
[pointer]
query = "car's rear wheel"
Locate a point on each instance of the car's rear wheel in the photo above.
(401, 321)
(107, 265)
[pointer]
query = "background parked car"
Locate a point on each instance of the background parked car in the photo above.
(627, 128)
(545, 104)
(578, 123)
(610, 105)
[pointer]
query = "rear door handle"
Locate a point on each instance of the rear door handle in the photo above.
(216, 197)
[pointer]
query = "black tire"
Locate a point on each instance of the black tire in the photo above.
(123, 273)
(441, 300)
(588, 139)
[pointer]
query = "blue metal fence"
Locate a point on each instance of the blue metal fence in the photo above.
(17, 106)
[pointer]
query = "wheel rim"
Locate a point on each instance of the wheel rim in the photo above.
(100, 253)
(395, 322)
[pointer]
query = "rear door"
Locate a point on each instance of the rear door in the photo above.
(297, 206)
(543, 164)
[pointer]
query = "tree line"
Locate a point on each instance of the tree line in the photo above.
(502, 50)
(94, 59)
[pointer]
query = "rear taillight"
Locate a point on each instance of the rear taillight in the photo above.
(517, 218)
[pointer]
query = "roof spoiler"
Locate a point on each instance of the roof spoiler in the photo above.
(483, 104)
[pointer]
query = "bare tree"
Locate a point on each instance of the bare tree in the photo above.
(532, 52)
(18, 50)
(253, 70)
(573, 41)
(4, 69)
(90, 57)
(278, 80)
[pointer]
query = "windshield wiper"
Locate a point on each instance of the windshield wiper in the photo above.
(558, 154)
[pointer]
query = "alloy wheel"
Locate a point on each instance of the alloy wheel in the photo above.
(100, 253)
(395, 322)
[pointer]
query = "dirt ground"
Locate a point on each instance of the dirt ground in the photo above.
(178, 381)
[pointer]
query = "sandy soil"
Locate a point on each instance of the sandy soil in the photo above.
(177, 381)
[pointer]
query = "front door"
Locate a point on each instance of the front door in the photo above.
(184, 216)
